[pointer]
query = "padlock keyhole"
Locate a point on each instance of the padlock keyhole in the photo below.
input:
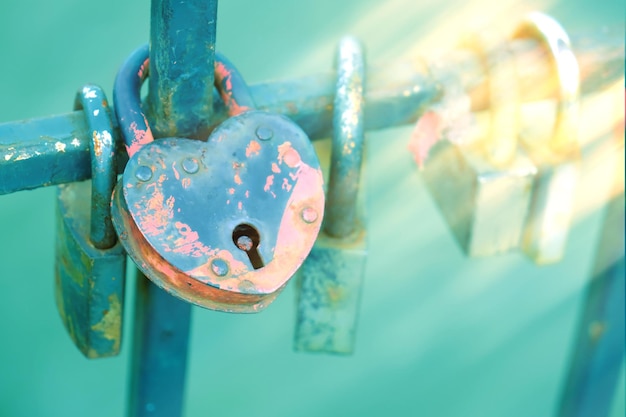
(247, 238)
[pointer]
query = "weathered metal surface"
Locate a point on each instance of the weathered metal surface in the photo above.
(54, 150)
(159, 355)
(223, 223)
(182, 42)
(330, 280)
(482, 188)
(90, 266)
(599, 345)
(557, 160)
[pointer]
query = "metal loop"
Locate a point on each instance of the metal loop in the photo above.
(504, 96)
(126, 95)
(347, 146)
(548, 31)
(93, 102)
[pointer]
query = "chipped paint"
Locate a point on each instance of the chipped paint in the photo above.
(269, 181)
(60, 146)
(253, 148)
(110, 326)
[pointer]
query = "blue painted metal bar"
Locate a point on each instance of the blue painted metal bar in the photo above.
(180, 103)
(182, 50)
(159, 356)
(599, 345)
(55, 150)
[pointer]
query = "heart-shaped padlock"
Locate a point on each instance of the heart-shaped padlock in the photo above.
(224, 223)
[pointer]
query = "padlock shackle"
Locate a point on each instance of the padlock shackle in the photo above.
(127, 99)
(551, 34)
(92, 101)
(500, 145)
(232, 87)
(347, 140)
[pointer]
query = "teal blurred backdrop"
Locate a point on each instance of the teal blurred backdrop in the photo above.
(439, 335)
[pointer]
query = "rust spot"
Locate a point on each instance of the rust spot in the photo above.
(97, 144)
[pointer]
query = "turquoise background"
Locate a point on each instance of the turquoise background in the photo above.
(439, 335)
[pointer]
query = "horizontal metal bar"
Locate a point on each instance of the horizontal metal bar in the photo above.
(55, 150)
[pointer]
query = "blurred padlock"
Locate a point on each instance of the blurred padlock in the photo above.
(90, 263)
(225, 223)
(482, 188)
(552, 204)
(330, 280)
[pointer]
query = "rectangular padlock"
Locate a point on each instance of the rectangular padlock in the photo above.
(90, 262)
(89, 281)
(331, 277)
(483, 188)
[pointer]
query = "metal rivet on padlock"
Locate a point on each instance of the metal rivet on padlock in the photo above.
(483, 188)
(331, 277)
(552, 204)
(220, 223)
(90, 263)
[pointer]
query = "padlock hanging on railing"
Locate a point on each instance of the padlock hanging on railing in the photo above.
(90, 262)
(225, 223)
(558, 161)
(482, 187)
(330, 279)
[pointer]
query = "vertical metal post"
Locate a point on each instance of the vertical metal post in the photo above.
(180, 103)
(596, 364)
(182, 53)
(159, 356)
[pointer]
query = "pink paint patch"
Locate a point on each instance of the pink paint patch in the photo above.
(426, 133)
(231, 191)
(240, 205)
(253, 148)
(268, 183)
(140, 138)
(275, 168)
(286, 185)
(238, 179)
(288, 155)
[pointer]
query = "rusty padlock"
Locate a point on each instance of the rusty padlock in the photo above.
(330, 279)
(558, 161)
(90, 262)
(483, 188)
(225, 223)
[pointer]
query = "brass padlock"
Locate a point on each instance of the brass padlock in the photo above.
(558, 161)
(90, 263)
(482, 188)
(330, 280)
(225, 223)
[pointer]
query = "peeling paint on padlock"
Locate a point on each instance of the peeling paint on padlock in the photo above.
(90, 264)
(218, 223)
